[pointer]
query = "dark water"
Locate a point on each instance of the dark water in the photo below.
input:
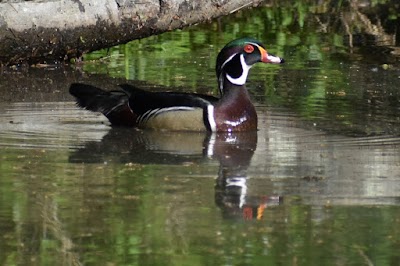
(318, 184)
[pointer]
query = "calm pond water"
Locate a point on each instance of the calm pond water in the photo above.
(318, 184)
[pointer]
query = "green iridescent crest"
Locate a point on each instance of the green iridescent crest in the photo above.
(241, 42)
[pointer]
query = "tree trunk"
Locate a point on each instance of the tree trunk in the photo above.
(56, 30)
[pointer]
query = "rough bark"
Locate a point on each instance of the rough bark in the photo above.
(40, 31)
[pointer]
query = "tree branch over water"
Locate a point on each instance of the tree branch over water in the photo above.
(47, 31)
(38, 31)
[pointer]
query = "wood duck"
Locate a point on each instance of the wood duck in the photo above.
(232, 111)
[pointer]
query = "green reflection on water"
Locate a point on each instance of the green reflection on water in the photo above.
(53, 212)
(58, 213)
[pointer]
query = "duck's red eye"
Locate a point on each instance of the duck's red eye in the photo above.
(249, 48)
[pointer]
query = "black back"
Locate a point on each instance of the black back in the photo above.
(141, 101)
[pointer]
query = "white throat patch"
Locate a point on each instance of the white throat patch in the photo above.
(242, 79)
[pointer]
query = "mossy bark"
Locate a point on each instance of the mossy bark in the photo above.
(53, 31)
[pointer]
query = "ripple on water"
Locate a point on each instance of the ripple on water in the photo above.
(48, 125)
(305, 160)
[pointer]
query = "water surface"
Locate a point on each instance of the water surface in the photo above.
(318, 184)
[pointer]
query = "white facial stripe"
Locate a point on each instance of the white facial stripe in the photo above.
(242, 79)
(227, 60)
(252, 43)
(221, 81)
(211, 119)
(230, 58)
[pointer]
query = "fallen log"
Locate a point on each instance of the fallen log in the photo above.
(57, 30)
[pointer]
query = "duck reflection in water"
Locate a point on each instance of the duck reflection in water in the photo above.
(233, 151)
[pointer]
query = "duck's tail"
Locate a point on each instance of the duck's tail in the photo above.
(113, 104)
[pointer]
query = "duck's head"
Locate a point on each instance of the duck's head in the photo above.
(237, 57)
